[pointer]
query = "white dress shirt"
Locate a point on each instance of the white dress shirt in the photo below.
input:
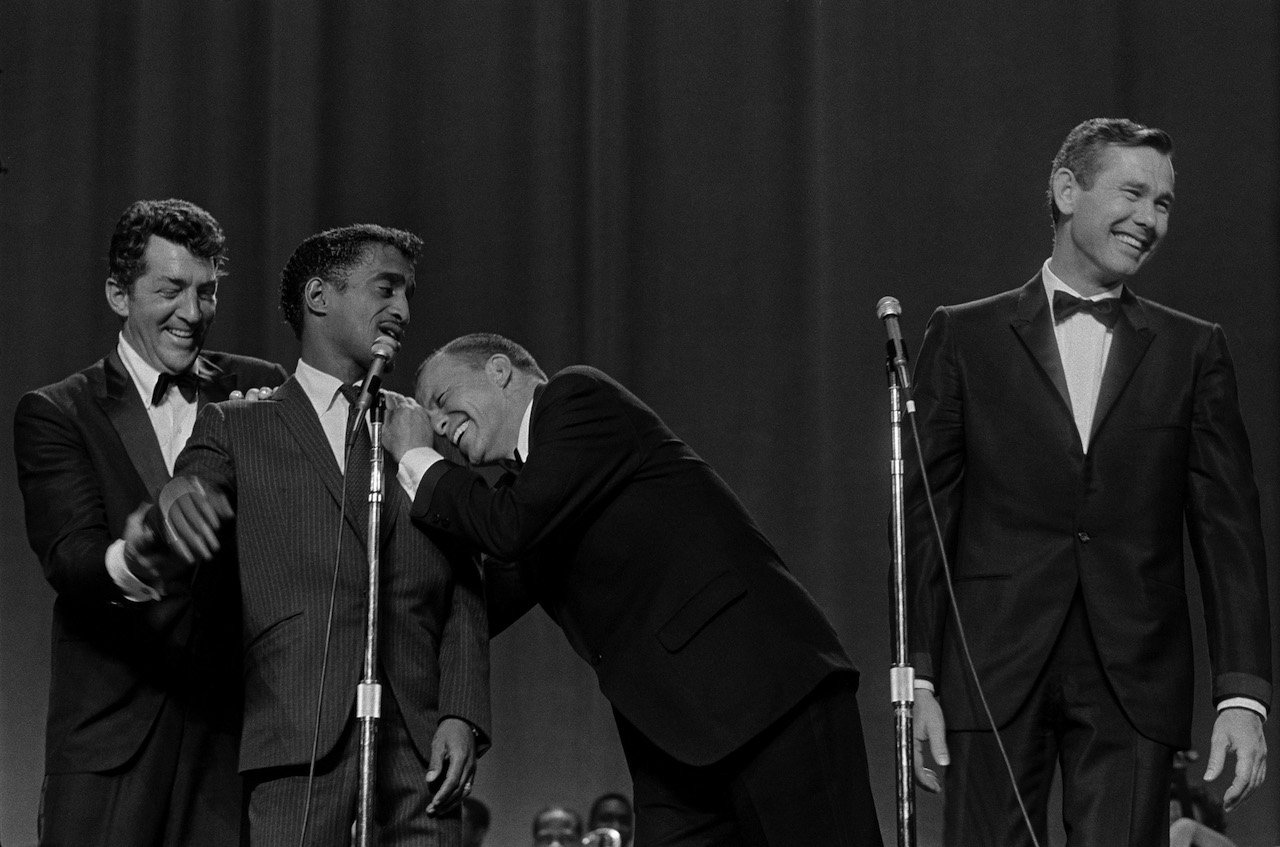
(1083, 345)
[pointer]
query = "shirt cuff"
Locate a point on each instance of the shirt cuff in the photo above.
(130, 586)
(924, 683)
(413, 464)
(1244, 703)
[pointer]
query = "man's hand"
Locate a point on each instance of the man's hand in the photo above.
(1238, 730)
(929, 725)
(193, 521)
(453, 764)
(144, 555)
(406, 427)
(252, 394)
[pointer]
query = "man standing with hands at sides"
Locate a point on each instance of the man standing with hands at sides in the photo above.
(734, 701)
(277, 465)
(1070, 429)
(144, 691)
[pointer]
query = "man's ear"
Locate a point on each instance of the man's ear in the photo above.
(314, 297)
(1066, 191)
(499, 370)
(117, 297)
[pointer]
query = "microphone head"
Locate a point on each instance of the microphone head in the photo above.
(385, 347)
(888, 306)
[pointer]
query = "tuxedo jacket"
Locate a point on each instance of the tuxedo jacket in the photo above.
(87, 456)
(699, 636)
(273, 462)
(1029, 517)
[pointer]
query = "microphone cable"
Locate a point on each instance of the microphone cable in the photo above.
(328, 633)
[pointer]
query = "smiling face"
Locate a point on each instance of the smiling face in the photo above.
(1109, 230)
(472, 407)
(169, 308)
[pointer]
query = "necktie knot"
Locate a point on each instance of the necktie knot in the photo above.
(351, 391)
(1106, 311)
(187, 382)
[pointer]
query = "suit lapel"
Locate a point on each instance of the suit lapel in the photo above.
(299, 416)
(121, 403)
(1130, 339)
(215, 383)
(1033, 322)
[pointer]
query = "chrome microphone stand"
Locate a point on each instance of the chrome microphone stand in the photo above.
(369, 692)
(901, 674)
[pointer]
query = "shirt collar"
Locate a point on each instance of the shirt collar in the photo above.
(322, 389)
(522, 442)
(1052, 283)
(140, 370)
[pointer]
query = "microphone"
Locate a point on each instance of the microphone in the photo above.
(888, 310)
(384, 350)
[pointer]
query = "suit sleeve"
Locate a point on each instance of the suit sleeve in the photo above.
(938, 395)
(508, 592)
(583, 447)
(206, 458)
(464, 650)
(66, 512)
(1225, 528)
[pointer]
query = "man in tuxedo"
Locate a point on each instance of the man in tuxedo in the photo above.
(734, 701)
(144, 690)
(1070, 429)
(276, 466)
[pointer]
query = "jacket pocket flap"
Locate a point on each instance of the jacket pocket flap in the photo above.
(707, 602)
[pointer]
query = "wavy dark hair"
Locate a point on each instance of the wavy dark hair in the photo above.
(1081, 151)
(180, 221)
(329, 255)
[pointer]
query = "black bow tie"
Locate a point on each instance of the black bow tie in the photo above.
(512, 465)
(1065, 305)
(188, 384)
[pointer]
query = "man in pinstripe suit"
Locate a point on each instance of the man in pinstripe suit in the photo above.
(276, 465)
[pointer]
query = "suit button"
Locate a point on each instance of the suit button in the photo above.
(441, 520)
(597, 658)
(1083, 536)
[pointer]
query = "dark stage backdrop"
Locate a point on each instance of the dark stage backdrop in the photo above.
(704, 199)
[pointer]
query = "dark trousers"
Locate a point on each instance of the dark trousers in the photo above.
(801, 781)
(180, 790)
(1115, 782)
(277, 795)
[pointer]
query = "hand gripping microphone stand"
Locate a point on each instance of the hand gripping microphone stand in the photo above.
(901, 674)
(369, 691)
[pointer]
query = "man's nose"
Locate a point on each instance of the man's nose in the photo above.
(439, 422)
(189, 305)
(400, 308)
(1144, 213)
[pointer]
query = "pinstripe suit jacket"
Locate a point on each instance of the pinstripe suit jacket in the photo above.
(272, 460)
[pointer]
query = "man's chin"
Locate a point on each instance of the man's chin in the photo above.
(180, 363)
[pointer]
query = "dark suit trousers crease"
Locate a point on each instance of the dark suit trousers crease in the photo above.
(1115, 782)
(180, 790)
(277, 795)
(802, 781)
